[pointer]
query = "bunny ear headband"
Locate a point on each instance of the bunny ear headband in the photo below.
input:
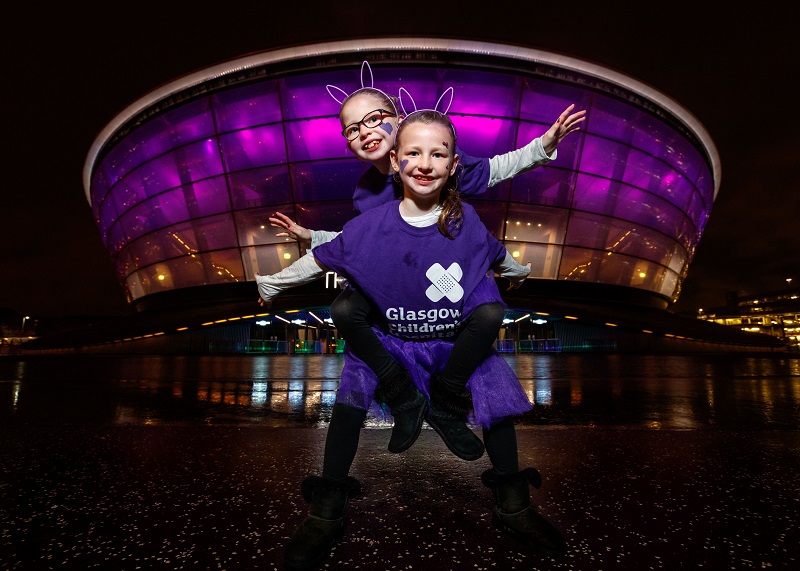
(339, 95)
(442, 105)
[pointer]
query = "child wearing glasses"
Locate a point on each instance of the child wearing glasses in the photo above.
(444, 253)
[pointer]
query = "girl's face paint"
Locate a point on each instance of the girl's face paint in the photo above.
(403, 165)
(387, 127)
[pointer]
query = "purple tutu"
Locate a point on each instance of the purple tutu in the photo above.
(496, 391)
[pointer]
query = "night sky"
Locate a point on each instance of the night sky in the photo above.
(67, 73)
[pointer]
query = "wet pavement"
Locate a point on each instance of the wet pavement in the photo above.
(648, 463)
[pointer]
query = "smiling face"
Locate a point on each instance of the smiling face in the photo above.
(424, 158)
(370, 143)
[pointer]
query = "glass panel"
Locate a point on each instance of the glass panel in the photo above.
(179, 126)
(187, 239)
(619, 236)
(603, 157)
(158, 212)
(127, 193)
(483, 93)
(247, 106)
(325, 180)
(125, 263)
(544, 185)
(586, 265)
(567, 152)
(206, 197)
(530, 223)
(620, 201)
(270, 259)
(254, 227)
(705, 184)
(668, 284)
(543, 100)
(189, 271)
(305, 95)
(107, 215)
(251, 148)
(133, 283)
(612, 119)
(544, 258)
(656, 176)
(181, 166)
(98, 191)
(697, 213)
(484, 136)
(492, 215)
(191, 201)
(260, 187)
(316, 139)
(655, 137)
(116, 238)
(163, 180)
(329, 215)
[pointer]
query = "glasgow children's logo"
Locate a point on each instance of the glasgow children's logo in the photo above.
(444, 283)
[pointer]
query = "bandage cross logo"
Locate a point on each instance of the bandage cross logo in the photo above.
(444, 283)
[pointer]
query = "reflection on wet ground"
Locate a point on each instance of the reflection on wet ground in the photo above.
(636, 391)
(649, 462)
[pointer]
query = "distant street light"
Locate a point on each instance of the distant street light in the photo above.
(24, 319)
(789, 281)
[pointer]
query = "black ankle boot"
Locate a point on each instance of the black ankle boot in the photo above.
(448, 417)
(514, 515)
(323, 527)
(408, 407)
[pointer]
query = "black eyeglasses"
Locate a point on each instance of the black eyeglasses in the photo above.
(370, 121)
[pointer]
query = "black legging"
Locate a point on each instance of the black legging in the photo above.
(353, 314)
(344, 431)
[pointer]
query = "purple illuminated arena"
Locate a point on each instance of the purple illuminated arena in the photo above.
(182, 182)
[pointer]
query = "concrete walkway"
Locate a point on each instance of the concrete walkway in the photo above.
(187, 496)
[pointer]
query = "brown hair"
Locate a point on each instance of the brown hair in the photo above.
(452, 213)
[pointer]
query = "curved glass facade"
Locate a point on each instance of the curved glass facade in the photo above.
(182, 186)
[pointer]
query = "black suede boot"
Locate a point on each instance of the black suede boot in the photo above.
(408, 407)
(448, 417)
(514, 515)
(323, 527)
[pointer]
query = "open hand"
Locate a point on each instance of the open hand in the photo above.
(566, 123)
(293, 230)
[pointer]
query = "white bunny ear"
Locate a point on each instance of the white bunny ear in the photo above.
(406, 96)
(445, 101)
(365, 67)
(334, 91)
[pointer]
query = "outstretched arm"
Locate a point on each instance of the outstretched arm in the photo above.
(538, 152)
(302, 271)
(513, 270)
(293, 230)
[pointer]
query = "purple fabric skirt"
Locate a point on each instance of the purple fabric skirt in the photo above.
(496, 391)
